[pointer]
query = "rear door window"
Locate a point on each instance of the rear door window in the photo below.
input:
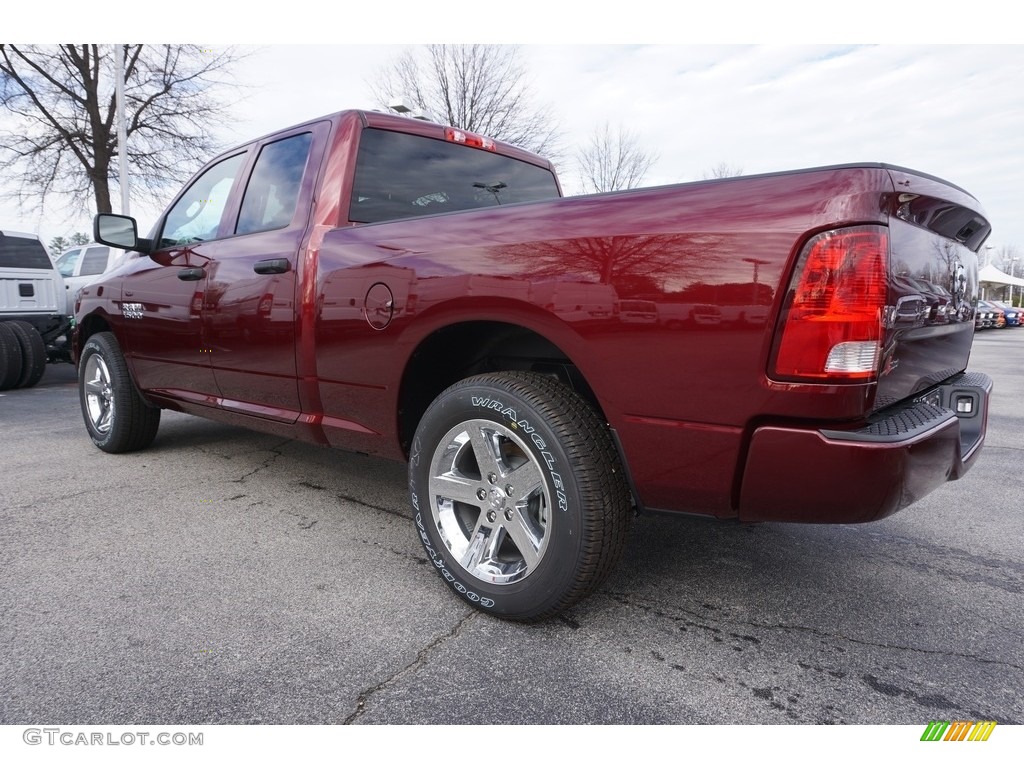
(273, 189)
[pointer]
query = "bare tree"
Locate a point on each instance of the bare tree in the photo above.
(722, 171)
(479, 88)
(1007, 258)
(60, 135)
(612, 161)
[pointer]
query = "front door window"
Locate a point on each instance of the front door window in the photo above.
(196, 216)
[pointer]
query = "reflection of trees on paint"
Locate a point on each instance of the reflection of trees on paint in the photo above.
(634, 264)
(673, 268)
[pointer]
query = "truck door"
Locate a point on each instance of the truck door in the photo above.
(163, 295)
(250, 300)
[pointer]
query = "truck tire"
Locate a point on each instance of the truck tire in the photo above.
(33, 352)
(518, 494)
(10, 358)
(117, 417)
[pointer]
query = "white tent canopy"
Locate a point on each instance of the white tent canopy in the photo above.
(989, 274)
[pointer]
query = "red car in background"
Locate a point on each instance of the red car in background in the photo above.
(993, 315)
(1014, 315)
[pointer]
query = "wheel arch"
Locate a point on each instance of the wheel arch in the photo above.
(89, 326)
(459, 349)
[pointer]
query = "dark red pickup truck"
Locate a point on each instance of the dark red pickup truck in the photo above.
(782, 347)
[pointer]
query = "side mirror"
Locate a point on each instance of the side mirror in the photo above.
(118, 232)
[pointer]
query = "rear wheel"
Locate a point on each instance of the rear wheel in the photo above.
(518, 495)
(10, 358)
(33, 352)
(117, 417)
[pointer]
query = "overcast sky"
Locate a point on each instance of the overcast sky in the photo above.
(952, 111)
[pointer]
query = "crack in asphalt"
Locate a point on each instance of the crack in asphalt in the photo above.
(951, 563)
(354, 500)
(993, 446)
(275, 450)
(305, 521)
(418, 559)
(419, 661)
(659, 611)
(951, 554)
(125, 486)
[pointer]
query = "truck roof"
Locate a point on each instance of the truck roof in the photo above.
(385, 121)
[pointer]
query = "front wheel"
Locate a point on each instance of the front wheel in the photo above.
(518, 494)
(117, 417)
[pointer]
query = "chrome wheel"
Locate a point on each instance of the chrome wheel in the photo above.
(517, 494)
(489, 501)
(99, 394)
(116, 415)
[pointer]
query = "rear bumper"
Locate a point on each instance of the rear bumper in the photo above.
(835, 476)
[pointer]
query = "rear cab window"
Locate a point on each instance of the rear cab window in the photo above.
(22, 253)
(400, 175)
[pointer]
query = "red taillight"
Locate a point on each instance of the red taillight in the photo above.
(469, 139)
(832, 319)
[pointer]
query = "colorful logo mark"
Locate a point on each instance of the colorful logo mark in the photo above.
(958, 730)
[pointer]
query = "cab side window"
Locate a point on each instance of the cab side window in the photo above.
(95, 261)
(197, 214)
(68, 261)
(273, 189)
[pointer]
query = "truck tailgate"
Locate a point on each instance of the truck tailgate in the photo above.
(935, 230)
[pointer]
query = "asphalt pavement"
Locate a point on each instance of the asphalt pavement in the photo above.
(225, 576)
